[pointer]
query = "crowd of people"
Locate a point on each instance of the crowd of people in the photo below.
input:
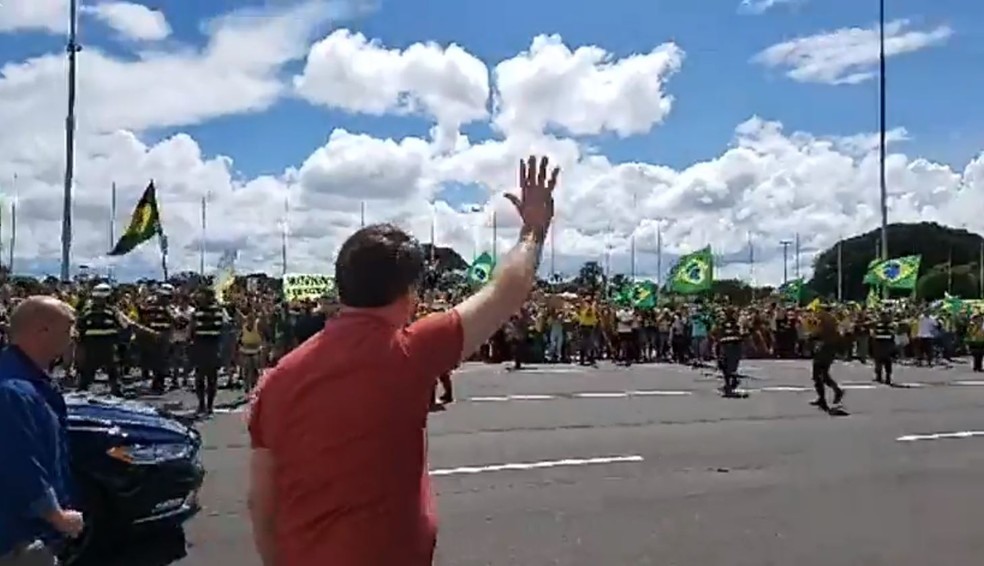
(259, 326)
(344, 479)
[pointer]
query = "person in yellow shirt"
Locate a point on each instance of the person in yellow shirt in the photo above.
(250, 349)
(587, 320)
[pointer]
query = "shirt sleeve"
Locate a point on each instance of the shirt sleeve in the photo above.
(434, 343)
(25, 481)
(254, 421)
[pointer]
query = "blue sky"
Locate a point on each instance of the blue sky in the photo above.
(933, 91)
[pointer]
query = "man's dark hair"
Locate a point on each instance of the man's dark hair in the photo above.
(376, 266)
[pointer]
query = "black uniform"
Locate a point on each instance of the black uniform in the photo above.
(155, 350)
(206, 336)
(827, 341)
(729, 349)
(99, 333)
(883, 348)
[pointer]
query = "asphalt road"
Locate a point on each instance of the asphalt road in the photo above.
(649, 465)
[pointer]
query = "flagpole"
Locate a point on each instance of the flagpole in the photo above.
(840, 271)
(73, 49)
(362, 214)
(796, 263)
(283, 236)
(112, 223)
(883, 190)
(201, 247)
(751, 265)
(553, 250)
(433, 216)
(13, 231)
(632, 246)
(659, 252)
(495, 237)
(161, 237)
(949, 271)
(112, 216)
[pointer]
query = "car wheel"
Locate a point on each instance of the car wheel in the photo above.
(92, 504)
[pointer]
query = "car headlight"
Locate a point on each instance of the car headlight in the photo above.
(144, 455)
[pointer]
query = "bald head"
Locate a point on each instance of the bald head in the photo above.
(36, 314)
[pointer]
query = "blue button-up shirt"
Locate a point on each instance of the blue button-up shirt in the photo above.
(35, 467)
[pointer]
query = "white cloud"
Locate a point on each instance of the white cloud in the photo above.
(847, 55)
(348, 72)
(770, 182)
(43, 15)
(762, 6)
(585, 91)
(132, 21)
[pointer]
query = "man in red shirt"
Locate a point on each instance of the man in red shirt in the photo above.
(338, 466)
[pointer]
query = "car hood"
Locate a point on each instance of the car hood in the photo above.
(137, 421)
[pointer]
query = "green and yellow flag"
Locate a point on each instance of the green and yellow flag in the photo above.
(145, 223)
(481, 269)
(897, 273)
(694, 273)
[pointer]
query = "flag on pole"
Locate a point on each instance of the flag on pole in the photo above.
(897, 273)
(481, 269)
(693, 273)
(145, 223)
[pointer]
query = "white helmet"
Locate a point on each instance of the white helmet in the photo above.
(101, 291)
(166, 290)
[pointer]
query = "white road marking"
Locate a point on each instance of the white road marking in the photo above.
(660, 393)
(912, 385)
(599, 395)
(536, 465)
(858, 386)
(970, 382)
(941, 435)
(228, 411)
(531, 397)
(786, 388)
(494, 398)
(552, 370)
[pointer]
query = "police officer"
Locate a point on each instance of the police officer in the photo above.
(155, 349)
(206, 337)
(729, 337)
(883, 346)
(99, 330)
(827, 342)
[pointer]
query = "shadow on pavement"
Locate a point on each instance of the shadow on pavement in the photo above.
(153, 548)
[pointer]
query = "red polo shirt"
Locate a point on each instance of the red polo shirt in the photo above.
(345, 417)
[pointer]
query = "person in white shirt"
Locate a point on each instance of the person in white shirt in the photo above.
(624, 319)
(927, 328)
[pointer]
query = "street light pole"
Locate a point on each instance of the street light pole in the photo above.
(73, 49)
(881, 130)
(785, 260)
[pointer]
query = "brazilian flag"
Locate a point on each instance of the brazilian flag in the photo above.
(481, 269)
(145, 223)
(897, 273)
(693, 273)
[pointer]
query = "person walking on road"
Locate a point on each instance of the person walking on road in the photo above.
(35, 476)
(338, 462)
(827, 342)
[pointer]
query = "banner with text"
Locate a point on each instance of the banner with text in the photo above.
(302, 286)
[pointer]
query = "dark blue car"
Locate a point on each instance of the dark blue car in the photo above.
(135, 467)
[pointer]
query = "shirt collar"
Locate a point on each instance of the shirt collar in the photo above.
(36, 373)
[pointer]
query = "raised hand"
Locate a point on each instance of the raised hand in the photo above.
(535, 203)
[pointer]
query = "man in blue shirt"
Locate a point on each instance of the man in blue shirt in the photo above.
(35, 475)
